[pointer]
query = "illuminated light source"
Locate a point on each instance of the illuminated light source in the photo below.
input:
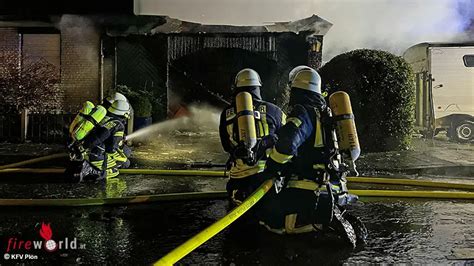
(316, 46)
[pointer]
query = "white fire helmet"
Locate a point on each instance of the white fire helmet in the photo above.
(120, 108)
(305, 78)
(109, 100)
(295, 70)
(247, 77)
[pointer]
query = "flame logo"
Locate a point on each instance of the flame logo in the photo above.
(45, 231)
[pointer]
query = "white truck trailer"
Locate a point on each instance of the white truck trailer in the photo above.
(444, 81)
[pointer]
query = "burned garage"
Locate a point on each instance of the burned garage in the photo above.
(197, 63)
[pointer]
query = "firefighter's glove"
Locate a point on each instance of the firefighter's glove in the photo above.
(268, 141)
(263, 144)
(245, 154)
(278, 180)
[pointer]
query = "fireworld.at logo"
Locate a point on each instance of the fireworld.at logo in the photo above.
(48, 244)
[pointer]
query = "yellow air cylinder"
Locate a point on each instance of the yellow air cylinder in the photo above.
(86, 109)
(348, 141)
(246, 119)
(89, 122)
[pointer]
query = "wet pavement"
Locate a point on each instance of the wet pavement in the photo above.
(400, 230)
(436, 156)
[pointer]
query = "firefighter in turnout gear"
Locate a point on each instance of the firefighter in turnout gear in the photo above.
(123, 152)
(89, 117)
(248, 131)
(310, 195)
(102, 143)
(105, 140)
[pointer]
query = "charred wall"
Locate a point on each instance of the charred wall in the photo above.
(141, 65)
(80, 68)
(200, 68)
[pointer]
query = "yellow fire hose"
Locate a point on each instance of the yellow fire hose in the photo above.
(370, 180)
(187, 247)
(35, 160)
(175, 172)
(122, 171)
(414, 194)
(78, 202)
(193, 243)
(33, 171)
(178, 253)
(218, 226)
(410, 182)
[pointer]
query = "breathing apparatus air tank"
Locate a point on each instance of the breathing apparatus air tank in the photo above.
(246, 122)
(89, 122)
(348, 141)
(86, 109)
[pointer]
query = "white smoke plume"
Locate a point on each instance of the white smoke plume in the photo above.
(381, 24)
(81, 30)
(390, 25)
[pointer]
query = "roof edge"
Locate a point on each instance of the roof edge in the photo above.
(313, 25)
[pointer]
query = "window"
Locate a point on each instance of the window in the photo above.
(468, 60)
(41, 46)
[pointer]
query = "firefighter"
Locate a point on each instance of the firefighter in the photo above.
(247, 131)
(123, 152)
(89, 117)
(104, 141)
(306, 155)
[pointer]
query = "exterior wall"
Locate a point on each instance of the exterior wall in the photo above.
(108, 54)
(108, 76)
(80, 72)
(10, 42)
(9, 39)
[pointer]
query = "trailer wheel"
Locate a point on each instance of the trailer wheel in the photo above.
(464, 131)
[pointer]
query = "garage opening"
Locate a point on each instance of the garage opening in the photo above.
(207, 75)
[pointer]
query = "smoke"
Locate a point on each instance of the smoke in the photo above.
(390, 25)
(80, 30)
(379, 24)
(466, 10)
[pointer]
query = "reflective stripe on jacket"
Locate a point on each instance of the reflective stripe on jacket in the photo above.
(301, 144)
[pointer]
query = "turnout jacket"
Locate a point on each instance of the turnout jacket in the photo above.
(302, 148)
(268, 120)
(108, 136)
